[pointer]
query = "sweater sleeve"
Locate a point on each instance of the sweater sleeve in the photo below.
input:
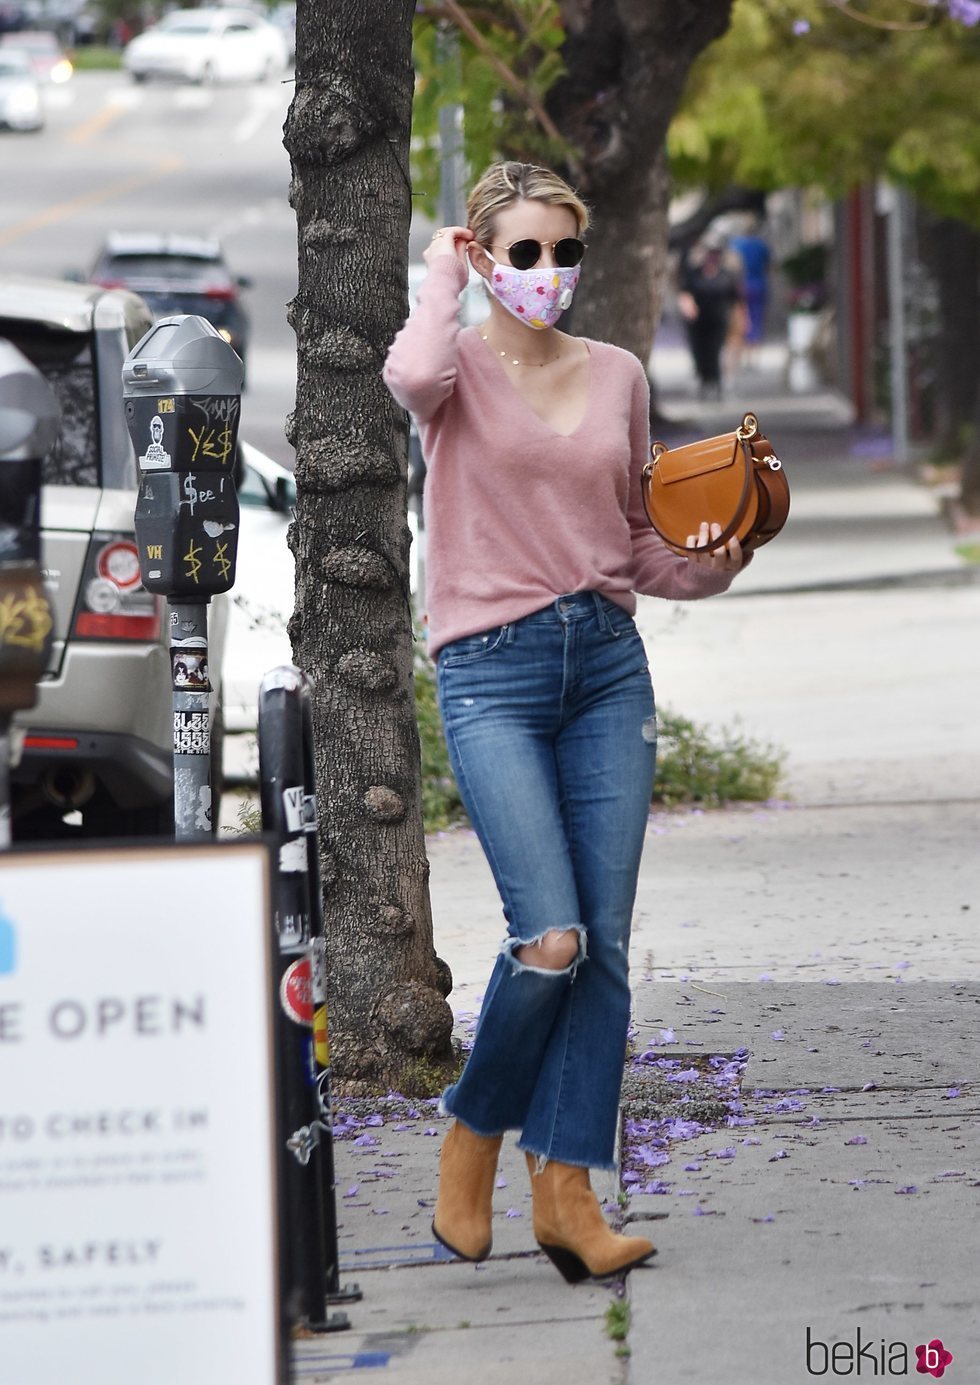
(657, 570)
(420, 369)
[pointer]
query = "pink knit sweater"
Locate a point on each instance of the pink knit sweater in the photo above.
(517, 514)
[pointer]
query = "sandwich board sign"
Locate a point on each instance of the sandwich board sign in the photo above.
(139, 1185)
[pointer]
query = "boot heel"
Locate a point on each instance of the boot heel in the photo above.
(476, 1259)
(567, 1263)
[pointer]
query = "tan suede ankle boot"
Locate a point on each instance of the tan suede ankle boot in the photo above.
(464, 1206)
(571, 1230)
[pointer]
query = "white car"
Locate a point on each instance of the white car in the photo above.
(208, 45)
(20, 95)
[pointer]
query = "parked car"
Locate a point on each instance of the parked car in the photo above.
(20, 95)
(43, 52)
(177, 274)
(97, 747)
(208, 45)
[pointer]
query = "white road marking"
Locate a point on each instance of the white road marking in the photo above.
(263, 102)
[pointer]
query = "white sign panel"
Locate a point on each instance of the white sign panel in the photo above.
(138, 1226)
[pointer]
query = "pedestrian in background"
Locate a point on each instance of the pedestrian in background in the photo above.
(753, 251)
(710, 293)
(534, 443)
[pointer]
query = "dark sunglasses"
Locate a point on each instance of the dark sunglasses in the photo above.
(524, 254)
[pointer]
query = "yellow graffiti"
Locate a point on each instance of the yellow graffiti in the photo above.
(222, 562)
(212, 443)
(166, 406)
(193, 561)
(25, 619)
(154, 550)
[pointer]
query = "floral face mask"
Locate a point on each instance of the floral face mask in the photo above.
(536, 296)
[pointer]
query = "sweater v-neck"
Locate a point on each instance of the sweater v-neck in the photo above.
(479, 344)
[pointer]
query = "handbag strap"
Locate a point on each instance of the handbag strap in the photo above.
(746, 430)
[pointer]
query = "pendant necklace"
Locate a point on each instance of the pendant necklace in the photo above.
(513, 359)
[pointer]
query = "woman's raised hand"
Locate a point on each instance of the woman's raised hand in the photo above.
(727, 558)
(448, 240)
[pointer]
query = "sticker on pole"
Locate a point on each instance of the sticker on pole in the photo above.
(299, 809)
(321, 1037)
(296, 991)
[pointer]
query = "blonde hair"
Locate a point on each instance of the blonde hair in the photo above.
(504, 183)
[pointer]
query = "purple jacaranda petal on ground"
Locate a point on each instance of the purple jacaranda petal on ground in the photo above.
(902, 966)
(678, 1129)
(501, 1182)
(700, 1211)
(778, 1035)
(728, 1152)
(768, 1217)
(374, 1120)
(857, 1140)
(952, 1092)
(831, 981)
(630, 1177)
(812, 1122)
(751, 1140)
(687, 1192)
(830, 1089)
(379, 1211)
(857, 1182)
(656, 1186)
(513, 1212)
(652, 1158)
(780, 1154)
(668, 1036)
(692, 1168)
(789, 1103)
(431, 1131)
(870, 1087)
(763, 1091)
(402, 1125)
(367, 1141)
(740, 1120)
(910, 1189)
(685, 1075)
(952, 1173)
(353, 1190)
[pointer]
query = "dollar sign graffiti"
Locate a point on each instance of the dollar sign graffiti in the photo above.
(190, 490)
(193, 561)
(222, 561)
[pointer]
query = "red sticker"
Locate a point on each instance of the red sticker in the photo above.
(296, 991)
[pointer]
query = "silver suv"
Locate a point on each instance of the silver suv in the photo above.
(98, 746)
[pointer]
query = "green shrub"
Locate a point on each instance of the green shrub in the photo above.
(95, 57)
(693, 765)
(441, 803)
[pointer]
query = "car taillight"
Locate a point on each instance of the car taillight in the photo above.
(105, 281)
(112, 602)
(226, 292)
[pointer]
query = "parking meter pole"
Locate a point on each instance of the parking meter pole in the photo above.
(194, 813)
(29, 422)
(288, 817)
(336, 1293)
(182, 387)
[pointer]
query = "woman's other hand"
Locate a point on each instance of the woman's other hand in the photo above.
(448, 240)
(727, 558)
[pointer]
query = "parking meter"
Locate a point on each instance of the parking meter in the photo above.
(29, 423)
(182, 387)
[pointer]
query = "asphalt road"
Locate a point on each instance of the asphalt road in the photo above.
(162, 157)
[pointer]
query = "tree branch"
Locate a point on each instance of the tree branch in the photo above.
(463, 22)
(907, 26)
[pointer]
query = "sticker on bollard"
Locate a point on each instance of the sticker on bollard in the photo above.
(296, 992)
(192, 733)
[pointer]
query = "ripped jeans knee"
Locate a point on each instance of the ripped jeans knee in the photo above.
(559, 951)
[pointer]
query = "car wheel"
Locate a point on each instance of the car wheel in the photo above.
(138, 77)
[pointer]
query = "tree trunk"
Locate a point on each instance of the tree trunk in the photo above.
(347, 135)
(953, 251)
(627, 62)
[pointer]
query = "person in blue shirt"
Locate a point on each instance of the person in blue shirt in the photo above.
(754, 254)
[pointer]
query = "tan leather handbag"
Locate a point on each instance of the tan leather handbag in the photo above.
(734, 480)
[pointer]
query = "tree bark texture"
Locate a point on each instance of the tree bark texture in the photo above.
(627, 62)
(347, 135)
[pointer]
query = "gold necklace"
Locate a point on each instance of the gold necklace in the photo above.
(513, 359)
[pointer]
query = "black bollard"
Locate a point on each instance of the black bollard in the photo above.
(289, 816)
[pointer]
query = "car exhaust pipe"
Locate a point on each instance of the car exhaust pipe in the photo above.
(67, 787)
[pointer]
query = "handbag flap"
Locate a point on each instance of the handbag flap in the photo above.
(697, 458)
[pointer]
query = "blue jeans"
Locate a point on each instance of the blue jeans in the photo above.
(552, 737)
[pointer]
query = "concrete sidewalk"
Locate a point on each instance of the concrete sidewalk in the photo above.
(825, 945)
